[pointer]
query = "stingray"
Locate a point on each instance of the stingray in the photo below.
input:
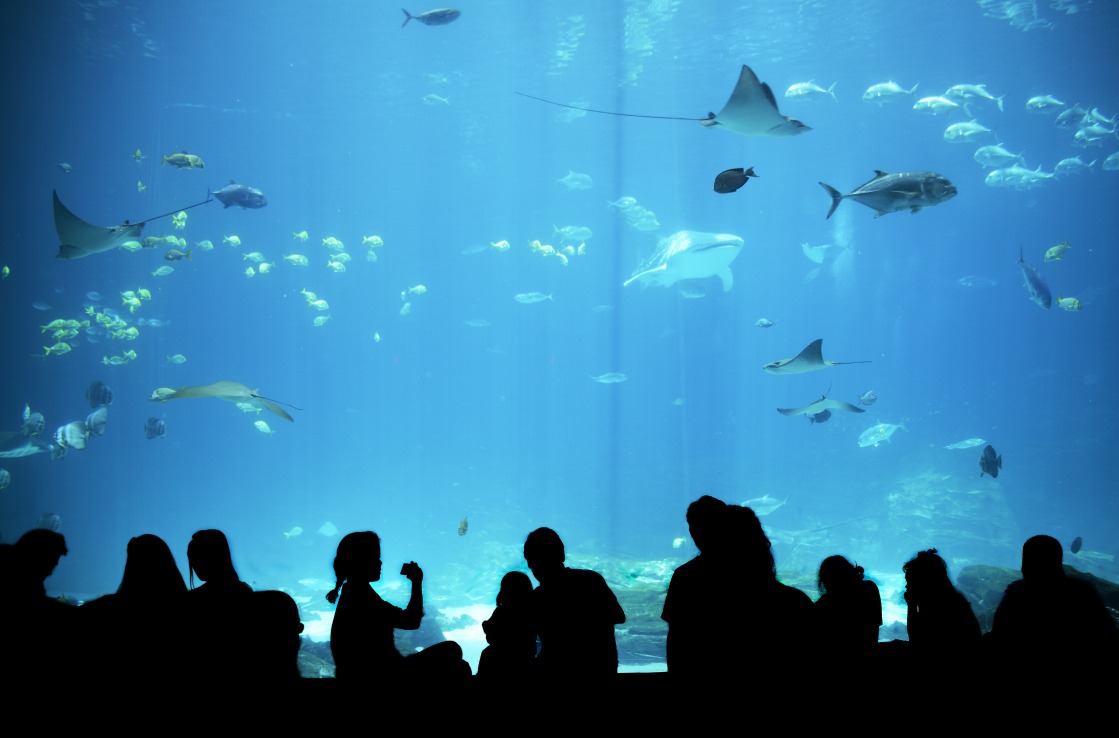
(230, 392)
(78, 238)
(750, 111)
(808, 360)
(819, 406)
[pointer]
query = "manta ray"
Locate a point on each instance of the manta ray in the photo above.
(78, 238)
(819, 406)
(230, 392)
(808, 360)
(690, 255)
(750, 111)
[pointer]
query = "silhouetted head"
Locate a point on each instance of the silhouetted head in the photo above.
(705, 517)
(747, 544)
(37, 553)
(209, 557)
(544, 552)
(1042, 558)
(358, 558)
(836, 574)
(515, 588)
(926, 576)
(150, 569)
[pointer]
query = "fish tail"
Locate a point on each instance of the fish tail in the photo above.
(998, 101)
(831, 91)
(407, 17)
(188, 255)
(836, 198)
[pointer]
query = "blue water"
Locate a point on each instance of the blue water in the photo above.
(322, 107)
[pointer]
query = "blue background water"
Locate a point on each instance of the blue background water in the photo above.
(322, 107)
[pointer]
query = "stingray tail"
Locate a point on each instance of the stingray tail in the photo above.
(836, 198)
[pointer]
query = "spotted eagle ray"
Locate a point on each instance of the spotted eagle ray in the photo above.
(690, 255)
(230, 392)
(78, 238)
(750, 111)
(808, 360)
(819, 406)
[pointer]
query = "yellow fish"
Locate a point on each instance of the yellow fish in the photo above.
(333, 243)
(141, 187)
(500, 245)
(250, 272)
(1068, 303)
(176, 359)
(231, 240)
(297, 259)
(138, 156)
(163, 271)
(1054, 253)
(263, 427)
(372, 241)
(301, 236)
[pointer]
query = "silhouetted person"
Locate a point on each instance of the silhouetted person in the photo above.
(771, 621)
(510, 633)
(1050, 623)
(944, 633)
(274, 640)
(218, 610)
(41, 631)
(136, 636)
(575, 613)
(695, 602)
(361, 636)
(846, 616)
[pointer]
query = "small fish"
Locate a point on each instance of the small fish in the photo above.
(878, 433)
(609, 378)
(1076, 545)
(141, 187)
(462, 526)
(821, 417)
(1034, 284)
(239, 194)
(886, 92)
(765, 323)
(137, 156)
(1054, 253)
(868, 398)
(433, 99)
(176, 255)
(530, 297)
(1043, 104)
(163, 271)
(327, 529)
(990, 462)
(731, 179)
(502, 245)
(679, 541)
(300, 236)
(764, 505)
(263, 427)
(969, 443)
(809, 91)
(154, 428)
(176, 359)
(1068, 303)
(65, 167)
(296, 531)
(576, 181)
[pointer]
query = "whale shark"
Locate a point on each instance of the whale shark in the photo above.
(690, 255)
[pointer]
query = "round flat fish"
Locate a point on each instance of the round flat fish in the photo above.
(732, 179)
(98, 394)
(96, 421)
(154, 428)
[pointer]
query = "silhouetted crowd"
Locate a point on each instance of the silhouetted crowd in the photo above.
(733, 627)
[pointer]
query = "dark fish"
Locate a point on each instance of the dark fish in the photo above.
(989, 462)
(440, 17)
(1076, 544)
(1035, 285)
(820, 417)
(462, 527)
(239, 194)
(96, 421)
(732, 179)
(33, 424)
(176, 255)
(889, 193)
(98, 394)
(154, 428)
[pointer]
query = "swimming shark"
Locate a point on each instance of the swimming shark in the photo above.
(690, 255)
(15, 444)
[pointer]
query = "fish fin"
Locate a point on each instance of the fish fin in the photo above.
(836, 198)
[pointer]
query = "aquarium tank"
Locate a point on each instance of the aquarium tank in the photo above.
(291, 270)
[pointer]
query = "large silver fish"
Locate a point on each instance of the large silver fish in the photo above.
(889, 193)
(1035, 285)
